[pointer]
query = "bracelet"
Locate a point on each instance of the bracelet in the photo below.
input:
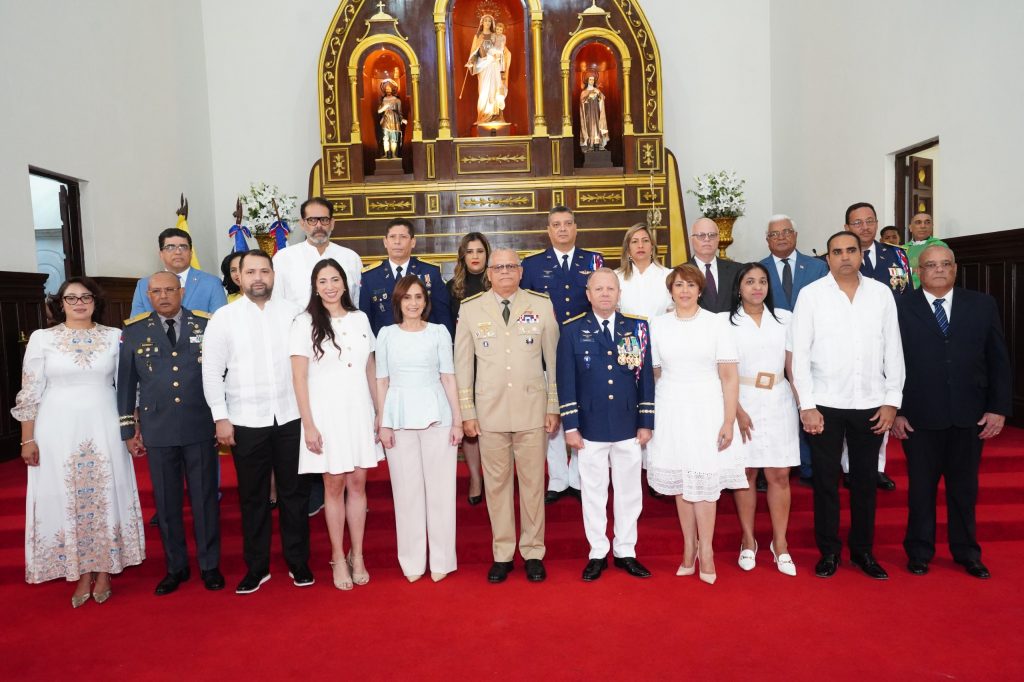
(30, 440)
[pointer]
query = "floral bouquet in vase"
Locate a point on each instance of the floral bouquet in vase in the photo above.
(720, 198)
(267, 210)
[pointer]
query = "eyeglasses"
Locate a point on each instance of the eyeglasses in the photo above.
(171, 248)
(504, 267)
(784, 233)
(932, 265)
(870, 222)
(705, 236)
(75, 300)
(166, 291)
(322, 220)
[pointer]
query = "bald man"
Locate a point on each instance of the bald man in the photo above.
(719, 275)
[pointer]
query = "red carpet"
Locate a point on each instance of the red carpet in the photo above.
(760, 624)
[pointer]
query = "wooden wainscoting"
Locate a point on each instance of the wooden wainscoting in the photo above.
(994, 263)
(22, 302)
(118, 291)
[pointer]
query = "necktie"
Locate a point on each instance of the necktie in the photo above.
(398, 273)
(710, 288)
(607, 331)
(940, 316)
(565, 264)
(867, 268)
(505, 313)
(171, 336)
(787, 280)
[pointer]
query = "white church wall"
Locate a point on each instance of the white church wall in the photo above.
(852, 83)
(112, 93)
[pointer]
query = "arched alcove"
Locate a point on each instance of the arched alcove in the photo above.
(383, 65)
(598, 58)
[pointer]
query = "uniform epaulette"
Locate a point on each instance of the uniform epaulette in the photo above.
(202, 313)
(634, 317)
(371, 267)
(537, 293)
(573, 319)
(137, 318)
(470, 298)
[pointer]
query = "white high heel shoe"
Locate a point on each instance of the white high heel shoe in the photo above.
(784, 562)
(747, 559)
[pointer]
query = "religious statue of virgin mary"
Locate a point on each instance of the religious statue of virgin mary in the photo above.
(489, 60)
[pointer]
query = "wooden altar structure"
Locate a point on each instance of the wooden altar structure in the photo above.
(455, 176)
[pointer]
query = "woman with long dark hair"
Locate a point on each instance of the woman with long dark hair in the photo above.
(231, 277)
(334, 375)
(767, 415)
(470, 280)
(83, 520)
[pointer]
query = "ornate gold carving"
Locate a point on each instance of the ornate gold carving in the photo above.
(390, 205)
(381, 17)
(595, 12)
(488, 202)
(558, 197)
(402, 46)
(650, 62)
(589, 199)
(338, 164)
(329, 54)
(491, 157)
(650, 196)
(587, 35)
(494, 158)
(433, 203)
(431, 172)
(556, 156)
(648, 154)
(343, 207)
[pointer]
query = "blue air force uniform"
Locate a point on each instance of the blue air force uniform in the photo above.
(163, 383)
(606, 391)
(379, 283)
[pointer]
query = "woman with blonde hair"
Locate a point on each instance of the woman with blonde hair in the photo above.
(641, 275)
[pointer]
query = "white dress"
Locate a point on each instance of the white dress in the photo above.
(775, 440)
(339, 396)
(82, 509)
(645, 294)
(683, 457)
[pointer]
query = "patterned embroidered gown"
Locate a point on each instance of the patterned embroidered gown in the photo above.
(82, 508)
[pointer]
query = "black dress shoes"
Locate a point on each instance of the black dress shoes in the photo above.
(213, 579)
(301, 575)
(251, 582)
(171, 581)
(573, 492)
(976, 569)
(535, 572)
(866, 562)
(917, 567)
(593, 570)
(630, 565)
(884, 482)
(827, 566)
(474, 500)
(552, 496)
(499, 571)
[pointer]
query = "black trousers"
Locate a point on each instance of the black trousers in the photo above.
(953, 454)
(257, 452)
(169, 469)
(826, 453)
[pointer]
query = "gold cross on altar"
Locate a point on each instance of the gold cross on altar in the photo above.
(380, 6)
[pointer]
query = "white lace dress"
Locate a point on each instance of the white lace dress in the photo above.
(82, 509)
(683, 457)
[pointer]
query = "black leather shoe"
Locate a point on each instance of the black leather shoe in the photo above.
(866, 562)
(976, 569)
(301, 575)
(213, 579)
(593, 569)
(573, 492)
(250, 583)
(762, 482)
(535, 572)
(917, 567)
(171, 581)
(552, 496)
(474, 500)
(630, 565)
(499, 571)
(827, 566)
(884, 482)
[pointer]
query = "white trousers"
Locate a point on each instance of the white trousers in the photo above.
(563, 469)
(845, 461)
(623, 457)
(422, 466)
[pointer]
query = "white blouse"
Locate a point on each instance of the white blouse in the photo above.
(645, 294)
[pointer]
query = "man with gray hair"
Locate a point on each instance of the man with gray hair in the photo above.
(504, 340)
(788, 269)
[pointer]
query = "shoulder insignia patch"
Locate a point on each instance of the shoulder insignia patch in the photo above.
(371, 267)
(202, 313)
(537, 293)
(634, 317)
(473, 297)
(572, 319)
(136, 318)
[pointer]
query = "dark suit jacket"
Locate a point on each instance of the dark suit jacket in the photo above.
(806, 269)
(379, 283)
(952, 381)
(727, 273)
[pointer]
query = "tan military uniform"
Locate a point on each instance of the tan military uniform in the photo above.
(500, 373)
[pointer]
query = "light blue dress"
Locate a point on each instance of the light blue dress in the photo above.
(413, 363)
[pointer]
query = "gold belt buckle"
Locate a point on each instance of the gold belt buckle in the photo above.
(765, 380)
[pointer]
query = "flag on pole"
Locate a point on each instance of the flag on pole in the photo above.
(182, 224)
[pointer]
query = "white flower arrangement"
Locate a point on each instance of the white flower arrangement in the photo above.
(719, 195)
(258, 205)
